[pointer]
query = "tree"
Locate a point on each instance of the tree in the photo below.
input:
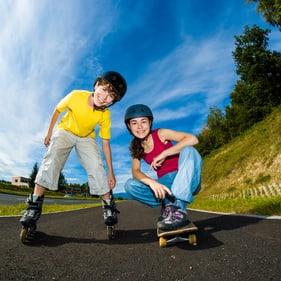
(61, 184)
(33, 175)
(258, 89)
(271, 10)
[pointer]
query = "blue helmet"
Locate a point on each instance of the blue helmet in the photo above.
(137, 110)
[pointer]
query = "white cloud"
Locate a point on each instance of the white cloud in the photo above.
(41, 43)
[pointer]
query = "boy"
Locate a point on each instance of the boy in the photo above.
(84, 111)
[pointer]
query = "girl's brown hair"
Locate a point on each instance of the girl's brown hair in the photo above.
(136, 148)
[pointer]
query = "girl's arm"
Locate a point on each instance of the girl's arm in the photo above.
(182, 139)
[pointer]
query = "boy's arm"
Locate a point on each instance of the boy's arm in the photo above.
(53, 121)
(108, 159)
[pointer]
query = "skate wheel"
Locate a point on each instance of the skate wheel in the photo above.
(23, 235)
(110, 232)
(162, 242)
(192, 239)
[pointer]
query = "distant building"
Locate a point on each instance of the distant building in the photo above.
(20, 181)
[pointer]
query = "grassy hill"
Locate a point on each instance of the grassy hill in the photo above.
(247, 169)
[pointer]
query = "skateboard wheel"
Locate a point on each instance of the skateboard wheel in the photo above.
(192, 239)
(162, 242)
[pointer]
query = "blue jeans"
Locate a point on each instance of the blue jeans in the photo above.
(184, 183)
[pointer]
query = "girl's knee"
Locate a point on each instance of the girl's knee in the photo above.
(129, 185)
(191, 152)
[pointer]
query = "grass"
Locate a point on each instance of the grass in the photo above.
(254, 206)
(265, 206)
(248, 161)
(17, 210)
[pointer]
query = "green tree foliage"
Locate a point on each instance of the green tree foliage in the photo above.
(258, 89)
(214, 134)
(254, 96)
(271, 10)
(61, 184)
(33, 175)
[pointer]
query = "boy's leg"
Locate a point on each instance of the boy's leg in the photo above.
(33, 210)
(90, 158)
(48, 175)
(110, 211)
(54, 160)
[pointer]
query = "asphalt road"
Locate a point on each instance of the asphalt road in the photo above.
(74, 246)
(12, 199)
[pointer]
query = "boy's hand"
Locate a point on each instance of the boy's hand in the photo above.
(111, 181)
(47, 140)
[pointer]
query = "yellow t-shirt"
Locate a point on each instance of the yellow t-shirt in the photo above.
(80, 119)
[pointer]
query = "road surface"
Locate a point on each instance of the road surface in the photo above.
(74, 246)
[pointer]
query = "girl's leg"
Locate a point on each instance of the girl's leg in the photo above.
(141, 192)
(188, 178)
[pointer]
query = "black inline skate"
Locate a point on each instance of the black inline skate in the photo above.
(110, 213)
(30, 217)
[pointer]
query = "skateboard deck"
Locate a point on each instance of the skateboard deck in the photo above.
(185, 233)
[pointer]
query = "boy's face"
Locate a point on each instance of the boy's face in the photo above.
(103, 95)
(140, 127)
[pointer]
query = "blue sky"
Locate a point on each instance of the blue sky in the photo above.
(176, 56)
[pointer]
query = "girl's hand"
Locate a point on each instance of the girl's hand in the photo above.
(160, 190)
(157, 161)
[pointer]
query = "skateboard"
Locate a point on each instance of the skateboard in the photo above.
(185, 233)
(27, 233)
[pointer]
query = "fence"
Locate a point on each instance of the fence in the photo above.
(261, 191)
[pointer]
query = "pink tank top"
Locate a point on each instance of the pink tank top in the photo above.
(170, 164)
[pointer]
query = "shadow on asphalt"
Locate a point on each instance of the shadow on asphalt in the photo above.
(123, 237)
(205, 235)
(208, 227)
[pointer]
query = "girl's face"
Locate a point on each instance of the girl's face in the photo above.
(103, 96)
(140, 127)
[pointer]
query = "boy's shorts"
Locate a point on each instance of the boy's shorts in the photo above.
(57, 153)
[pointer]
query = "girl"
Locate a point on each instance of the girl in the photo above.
(178, 167)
